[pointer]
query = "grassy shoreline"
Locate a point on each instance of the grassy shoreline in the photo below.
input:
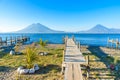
(50, 65)
(100, 59)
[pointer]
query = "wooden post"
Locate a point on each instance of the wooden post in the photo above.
(117, 43)
(28, 38)
(88, 59)
(0, 40)
(6, 41)
(66, 37)
(112, 43)
(88, 68)
(108, 42)
(75, 41)
(65, 41)
(11, 40)
(18, 39)
(87, 75)
(63, 64)
(63, 55)
(79, 46)
(24, 38)
(73, 38)
(15, 40)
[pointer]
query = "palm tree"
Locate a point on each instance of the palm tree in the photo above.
(31, 56)
(43, 43)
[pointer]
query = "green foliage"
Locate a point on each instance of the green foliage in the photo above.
(43, 43)
(50, 65)
(31, 56)
(7, 56)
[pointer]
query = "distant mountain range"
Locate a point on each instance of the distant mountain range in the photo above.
(39, 28)
(100, 29)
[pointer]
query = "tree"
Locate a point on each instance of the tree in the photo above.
(31, 56)
(43, 43)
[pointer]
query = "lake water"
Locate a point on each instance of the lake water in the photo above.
(56, 38)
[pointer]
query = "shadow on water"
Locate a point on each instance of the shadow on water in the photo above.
(97, 51)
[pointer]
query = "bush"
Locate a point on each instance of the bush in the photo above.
(31, 56)
(43, 43)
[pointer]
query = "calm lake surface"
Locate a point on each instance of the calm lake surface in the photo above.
(57, 38)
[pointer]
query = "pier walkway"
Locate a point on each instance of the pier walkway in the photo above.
(72, 60)
(13, 40)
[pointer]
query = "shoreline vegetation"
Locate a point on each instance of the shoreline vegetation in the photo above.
(104, 62)
(100, 59)
(50, 65)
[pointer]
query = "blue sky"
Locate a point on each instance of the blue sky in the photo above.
(67, 15)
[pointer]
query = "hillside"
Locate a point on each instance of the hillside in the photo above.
(101, 29)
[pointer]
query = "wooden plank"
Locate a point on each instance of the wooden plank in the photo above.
(73, 72)
(73, 53)
(77, 72)
(73, 58)
(68, 72)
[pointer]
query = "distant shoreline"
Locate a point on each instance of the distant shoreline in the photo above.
(55, 33)
(57, 38)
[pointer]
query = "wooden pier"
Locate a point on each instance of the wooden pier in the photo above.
(112, 42)
(9, 41)
(72, 58)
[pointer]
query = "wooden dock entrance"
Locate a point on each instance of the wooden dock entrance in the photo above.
(72, 60)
